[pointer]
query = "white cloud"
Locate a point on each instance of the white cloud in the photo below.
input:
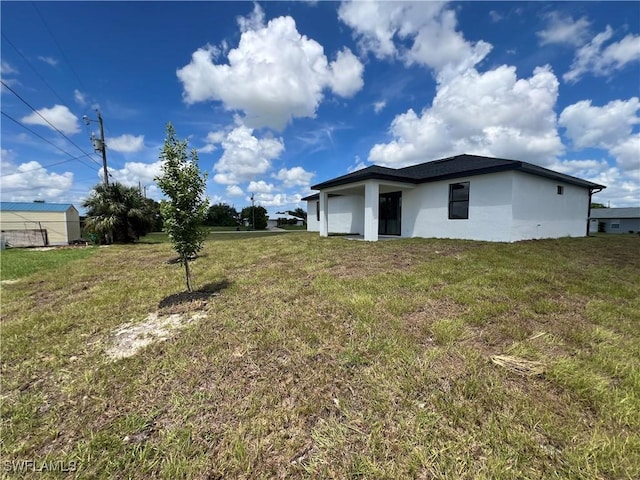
(385, 28)
(580, 168)
(276, 200)
(29, 181)
(274, 75)
(357, 164)
(296, 176)
(48, 60)
(621, 191)
(80, 98)
(245, 156)
(7, 69)
(260, 187)
(215, 199)
(59, 116)
(563, 29)
(234, 191)
(495, 16)
(216, 137)
(208, 148)
(346, 74)
(135, 173)
(603, 61)
(212, 139)
(627, 154)
(378, 106)
(590, 126)
(254, 21)
(492, 113)
(7, 155)
(126, 143)
(610, 127)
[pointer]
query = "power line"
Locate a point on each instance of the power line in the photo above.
(49, 142)
(33, 68)
(48, 122)
(38, 168)
(58, 45)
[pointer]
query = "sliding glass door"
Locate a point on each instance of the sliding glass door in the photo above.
(389, 213)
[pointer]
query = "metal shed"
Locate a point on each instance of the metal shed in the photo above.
(38, 224)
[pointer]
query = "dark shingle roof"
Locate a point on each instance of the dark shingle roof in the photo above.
(447, 168)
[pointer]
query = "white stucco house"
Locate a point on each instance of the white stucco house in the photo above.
(615, 220)
(465, 197)
(283, 218)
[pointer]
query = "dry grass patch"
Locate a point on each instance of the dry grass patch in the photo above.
(314, 361)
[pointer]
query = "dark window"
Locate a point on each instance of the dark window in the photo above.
(459, 201)
(560, 190)
(318, 210)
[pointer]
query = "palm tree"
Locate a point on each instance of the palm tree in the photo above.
(117, 213)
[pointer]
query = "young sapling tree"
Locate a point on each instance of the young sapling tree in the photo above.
(186, 208)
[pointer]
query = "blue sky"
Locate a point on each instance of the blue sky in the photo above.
(278, 96)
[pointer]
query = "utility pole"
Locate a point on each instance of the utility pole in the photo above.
(104, 150)
(99, 145)
(253, 213)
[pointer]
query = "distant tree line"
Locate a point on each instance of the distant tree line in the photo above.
(121, 214)
(223, 215)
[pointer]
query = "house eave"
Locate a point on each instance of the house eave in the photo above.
(368, 176)
(385, 174)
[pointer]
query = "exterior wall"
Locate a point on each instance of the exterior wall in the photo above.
(312, 216)
(425, 209)
(626, 225)
(61, 227)
(503, 207)
(73, 225)
(346, 214)
(539, 212)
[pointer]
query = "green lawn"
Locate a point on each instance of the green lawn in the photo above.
(294, 227)
(329, 358)
(21, 262)
(222, 233)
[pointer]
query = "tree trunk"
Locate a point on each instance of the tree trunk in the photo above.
(187, 274)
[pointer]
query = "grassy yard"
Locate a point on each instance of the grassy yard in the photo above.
(329, 358)
(222, 234)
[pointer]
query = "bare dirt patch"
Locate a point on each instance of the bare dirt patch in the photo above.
(355, 264)
(130, 338)
(184, 302)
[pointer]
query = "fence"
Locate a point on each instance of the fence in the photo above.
(25, 237)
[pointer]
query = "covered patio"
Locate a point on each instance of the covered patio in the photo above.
(378, 195)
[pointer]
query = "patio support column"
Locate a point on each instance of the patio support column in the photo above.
(324, 214)
(371, 206)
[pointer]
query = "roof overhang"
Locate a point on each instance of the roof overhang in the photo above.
(409, 176)
(358, 187)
